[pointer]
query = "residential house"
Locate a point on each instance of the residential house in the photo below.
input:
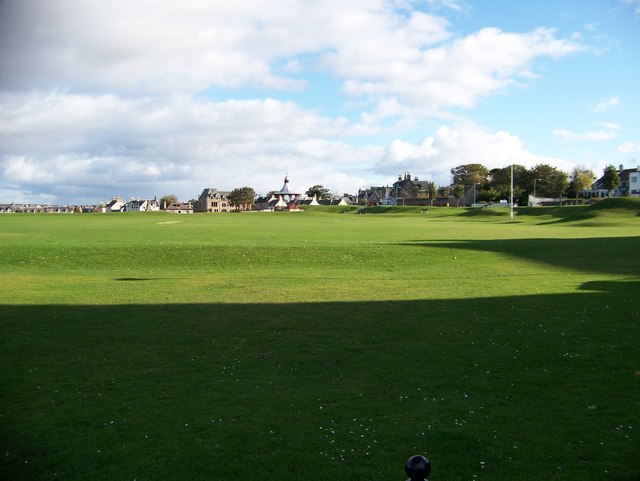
(213, 200)
(346, 199)
(629, 185)
(117, 204)
(406, 190)
(141, 205)
(377, 195)
(262, 202)
(410, 188)
(180, 208)
(634, 182)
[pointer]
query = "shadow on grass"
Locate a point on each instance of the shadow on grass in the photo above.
(605, 255)
(508, 387)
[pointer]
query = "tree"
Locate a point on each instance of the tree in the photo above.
(469, 174)
(499, 183)
(242, 198)
(321, 192)
(489, 195)
(168, 199)
(501, 178)
(551, 182)
(432, 191)
(610, 179)
(458, 192)
(581, 179)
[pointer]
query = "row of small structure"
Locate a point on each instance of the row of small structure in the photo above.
(213, 200)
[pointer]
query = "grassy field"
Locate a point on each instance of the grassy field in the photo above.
(328, 345)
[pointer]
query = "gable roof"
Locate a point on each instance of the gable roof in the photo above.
(179, 206)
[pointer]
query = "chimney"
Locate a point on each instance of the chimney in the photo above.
(621, 168)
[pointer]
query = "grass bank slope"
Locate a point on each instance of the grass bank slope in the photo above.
(608, 212)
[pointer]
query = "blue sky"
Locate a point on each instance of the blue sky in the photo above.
(142, 98)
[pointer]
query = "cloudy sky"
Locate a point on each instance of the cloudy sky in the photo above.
(152, 97)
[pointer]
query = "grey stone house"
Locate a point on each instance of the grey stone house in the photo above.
(213, 200)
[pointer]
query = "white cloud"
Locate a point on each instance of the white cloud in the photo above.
(606, 105)
(105, 146)
(452, 74)
(629, 148)
(20, 169)
(458, 144)
(144, 46)
(458, 6)
(161, 46)
(595, 136)
(135, 97)
(610, 125)
(147, 146)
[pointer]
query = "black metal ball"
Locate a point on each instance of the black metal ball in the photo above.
(417, 467)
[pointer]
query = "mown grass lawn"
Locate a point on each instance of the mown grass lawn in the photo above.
(321, 345)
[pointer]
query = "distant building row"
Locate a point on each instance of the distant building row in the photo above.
(406, 190)
(117, 204)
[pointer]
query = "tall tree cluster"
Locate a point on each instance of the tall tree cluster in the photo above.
(610, 179)
(168, 199)
(542, 180)
(242, 198)
(581, 179)
(321, 192)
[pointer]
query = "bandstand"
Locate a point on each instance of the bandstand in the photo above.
(287, 198)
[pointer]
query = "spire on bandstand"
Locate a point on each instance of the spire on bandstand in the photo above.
(287, 198)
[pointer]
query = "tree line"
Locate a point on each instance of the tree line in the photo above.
(543, 180)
